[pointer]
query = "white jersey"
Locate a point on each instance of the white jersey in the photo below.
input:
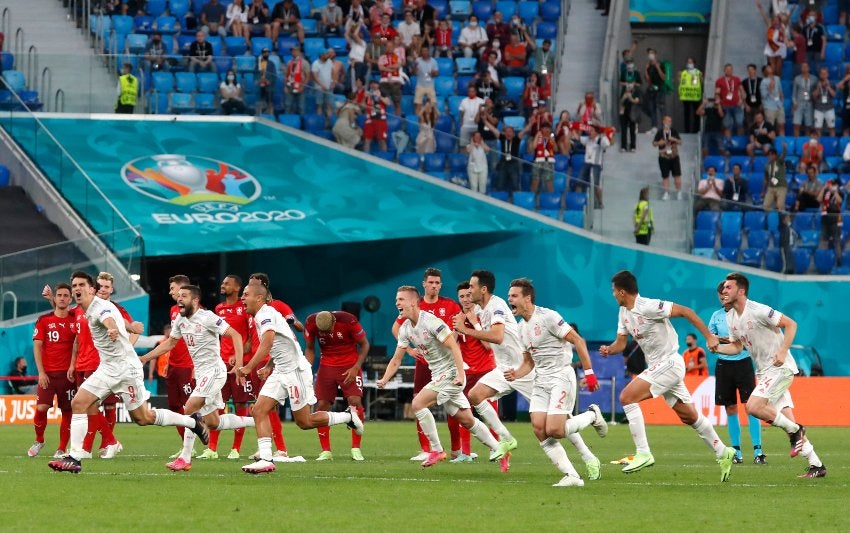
(543, 338)
(115, 356)
(649, 323)
(509, 353)
(757, 329)
(427, 338)
(201, 332)
(285, 352)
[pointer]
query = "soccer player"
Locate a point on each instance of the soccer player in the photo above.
(758, 328)
(287, 375)
(444, 309)
(232, 310)
(200, 329)
(53, 346)
(280, 306)
(119, 372)
(544, 335)
(648, 321)
(433, 341)
(343, 347)
(734, 377)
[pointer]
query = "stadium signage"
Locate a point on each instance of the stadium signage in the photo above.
(21, 410)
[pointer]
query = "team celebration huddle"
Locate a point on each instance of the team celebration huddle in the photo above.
(468, 354)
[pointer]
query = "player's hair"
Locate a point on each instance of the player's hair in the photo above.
(720, 286)
(194, 290)
(235, 278)
(179, 279)
(83, 275)
(409, 288)
(262, 289)
(262, 277)
(462, 286)
(431, 271)
(485, 279)
(626, 281)
(61, 286)
(740, 280)
(325, 320)
(691, 334)
(525, 285)
(106, 276)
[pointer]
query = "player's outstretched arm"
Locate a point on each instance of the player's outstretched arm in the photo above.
(615, 347)
(522, 370)
(689, 314)
(392, 367)
(495, 335)
(584, 357)
(167, 344)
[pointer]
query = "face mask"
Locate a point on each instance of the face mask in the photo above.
(651, 57)
(473, 24)
(515, 21)
(630, 67)
(813, 142)
(810, 20)
(496, 44)
(231, 78)
(690, 66)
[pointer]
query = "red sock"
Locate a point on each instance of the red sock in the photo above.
(239, 433)
(64, 430)
(424, 443)
(355, 438)
(324, 438)
(111, 415)
(107, 437)
(454, 432)
(94, 427)
(277, 430)
(495, 404)
(464, 441)
(177, 409)
(40, 423)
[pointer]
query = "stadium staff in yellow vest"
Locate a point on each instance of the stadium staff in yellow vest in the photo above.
(690, 94)
(128, 91)
(644, 221)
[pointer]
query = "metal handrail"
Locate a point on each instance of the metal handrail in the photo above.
(32, 67)
(6, 21)
(19, 42)
(14, 305)
(45, 87)
(56, 100)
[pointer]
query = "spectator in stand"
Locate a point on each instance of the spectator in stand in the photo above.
(397, 46)
(128, 91)
(815, 35)
(22, 386)
(773, 99)
(730, 95)
(628, 70)
(565, 136)
(498, 29)
(485, 87)
(385, 29)
(213, 17)
(823, 96)
(493, 65)
(775, 49)
(473, 38)
(237, 18)
(476, 168)
(356, 17)
(373, 53)
(590, 174)
(831, 219)
(844, 87)
(543, 169)
(156, 54)
(534, 124)
(345, 129)
(468, 109)
(426, 69)
(810, 194)
(798, 46)
(267, 81)
(656, 89)
(338, 81)
(589, 111)
(690, 94)
(533, 95)
(709, 191)
(379, 10)
(426, 142)
(735, 190)
(544, 58)
(333, 20)
(390, 66)
(712, 129)
(787, 243)
(409, 28)
(356, 54)
(752, 94)
(843, 11)
(762, 136)
(231, 95)
(426, 16)
(515, 54)
(801, 98)
(629, 116)
(488, 127)
(644, 219)
(443, 39)
(295, 81)
(775, 186)
(259, 17)
(201, 54)
(286, 18)
(375, 127)
(322, 74)
(812, 153)
(667, 140)
(509, 168)
(844, 168)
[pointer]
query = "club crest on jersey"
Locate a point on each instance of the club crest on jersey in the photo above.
(749, 324)
(197, 328)
(339, 335)
(538, 330)
(442, 311)
(641, 321)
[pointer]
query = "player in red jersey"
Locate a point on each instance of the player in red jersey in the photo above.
(232, 310)
(343, 347)
(478, 356)
(53, 346)
(444, 308)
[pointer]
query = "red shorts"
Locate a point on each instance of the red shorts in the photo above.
(421, 376)
(83, 374)
(376, 129)
(179, 385)
(239, 393)
(329, 378)
(61, 387)
(471, 380)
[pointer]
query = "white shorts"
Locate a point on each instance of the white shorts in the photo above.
(667, 379)
(208, 386)
(825, 116)
(448, 392)
(495, 379)
(773, 384)
(555, 395)
(296, 385)
(130, 385)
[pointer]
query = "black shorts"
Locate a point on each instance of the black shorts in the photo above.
(669, 167)
(731, 376)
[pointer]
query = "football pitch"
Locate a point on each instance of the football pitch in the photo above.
(388, 492)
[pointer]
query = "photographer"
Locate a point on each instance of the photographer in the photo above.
(831, 221)
(488, 127)
(508, 169)
(629, 116)
(667, 140)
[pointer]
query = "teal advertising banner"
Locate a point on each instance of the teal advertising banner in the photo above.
(665, 11)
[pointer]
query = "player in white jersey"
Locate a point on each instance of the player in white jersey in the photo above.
(545, 335)
(433, 341)
(287, 374)
(648, 321)
(200, 329)
(497, 326)
(120, 372)
(758, 328)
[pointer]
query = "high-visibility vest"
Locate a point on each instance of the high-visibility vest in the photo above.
(646, 224)
(129, 89)
(690, 86)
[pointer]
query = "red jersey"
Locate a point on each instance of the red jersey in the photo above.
(124, 314)
(236, 316)
(339, 347)
(728, 90)
(57, 337)
(87, 357)
(444, 309)
(179, 355)
(479, 359)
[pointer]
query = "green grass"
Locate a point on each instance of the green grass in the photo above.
(389, 493)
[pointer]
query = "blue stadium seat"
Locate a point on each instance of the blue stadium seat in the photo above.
(313, 122)
(507, 7)
(464, 65)
(752, 257)
(446, 144)
(773, 260)
(845, 257)
(314, 47)
(155, 8)
(30, 100)
(803, 221)
(235, 45)
(258, 43)
(434, 162)
(179, 8)
(311, 26)
(408, 108)
(444, 86)
(550, 200)
(460, 9)
(123, 24)
(576, 162)
(393, 123)
(166, 24)
(730, 239)
(809, 238)
(551, 10)
(181, 103)
(163, 82)
(445, 66)
(528, 10)
(337, 44)
(716, 161)
(205, 103)
(708, 220)
(386, 156)
(729, 255)
(208, 83)
(824, 260)
(136, 43)
(183, 43)
(291, 120)
(802, 260)
(453, 107)
(547, 30)
(458, 162)
(574, 218)
(284, 45)
(707, 253)
(743, 160)
(159, 104)
(704, 238)
(441, 8)
(833, 53)
(463, 83)
(576, 201)
(754, 220)
(562, 162)
(758, 238)
(483, 10)
(7, 60)
(245, 63)
(186, 82)
(409, 160)
(15, 80)
(514, 86)
(730, 221)
(499, 195)
(550, 213)
(559, 182)
(517, 123)
(143, 24)
(830, 146)
(524, 199)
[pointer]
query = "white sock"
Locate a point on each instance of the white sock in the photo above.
(491, 418)
(637, 427)
(579, 422)
(556, 453)
(808, 452)
(231, 421)
(581, 447)
(79, 427)
(782, 421)
(483, 434)
(164, 417)
(264, 445)
(429, 428)
(338, 418)
(188, 446)
(708, 435)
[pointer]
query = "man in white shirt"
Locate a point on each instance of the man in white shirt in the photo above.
(473, 38)
(595, 145)
(468, 108)
(322, 70)
(710, 189)
(426, 70)
(408, 28)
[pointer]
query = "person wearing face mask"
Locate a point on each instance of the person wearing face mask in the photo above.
(268, 80)
(712, 128)
(656, 91)
(812, 153)
(473, 38)
(231, 95)
(801, 98)
(333, 20)
(629, 116)
(498, 30)
(690, 94)
(824, 107)
(22, 386)
(775, 185)
(628, 57)
(667, 140)
(156, 54)
(815, 36)
(695, 361)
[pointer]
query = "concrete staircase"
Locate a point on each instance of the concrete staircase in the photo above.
(583, 44)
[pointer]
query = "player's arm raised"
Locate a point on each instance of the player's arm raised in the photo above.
(522, 370)
(615, 347)
(111, 326)
(495, 335)
(167, 344)
(689, 314)
(581, 348)
(392, 367)
(362, 352)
